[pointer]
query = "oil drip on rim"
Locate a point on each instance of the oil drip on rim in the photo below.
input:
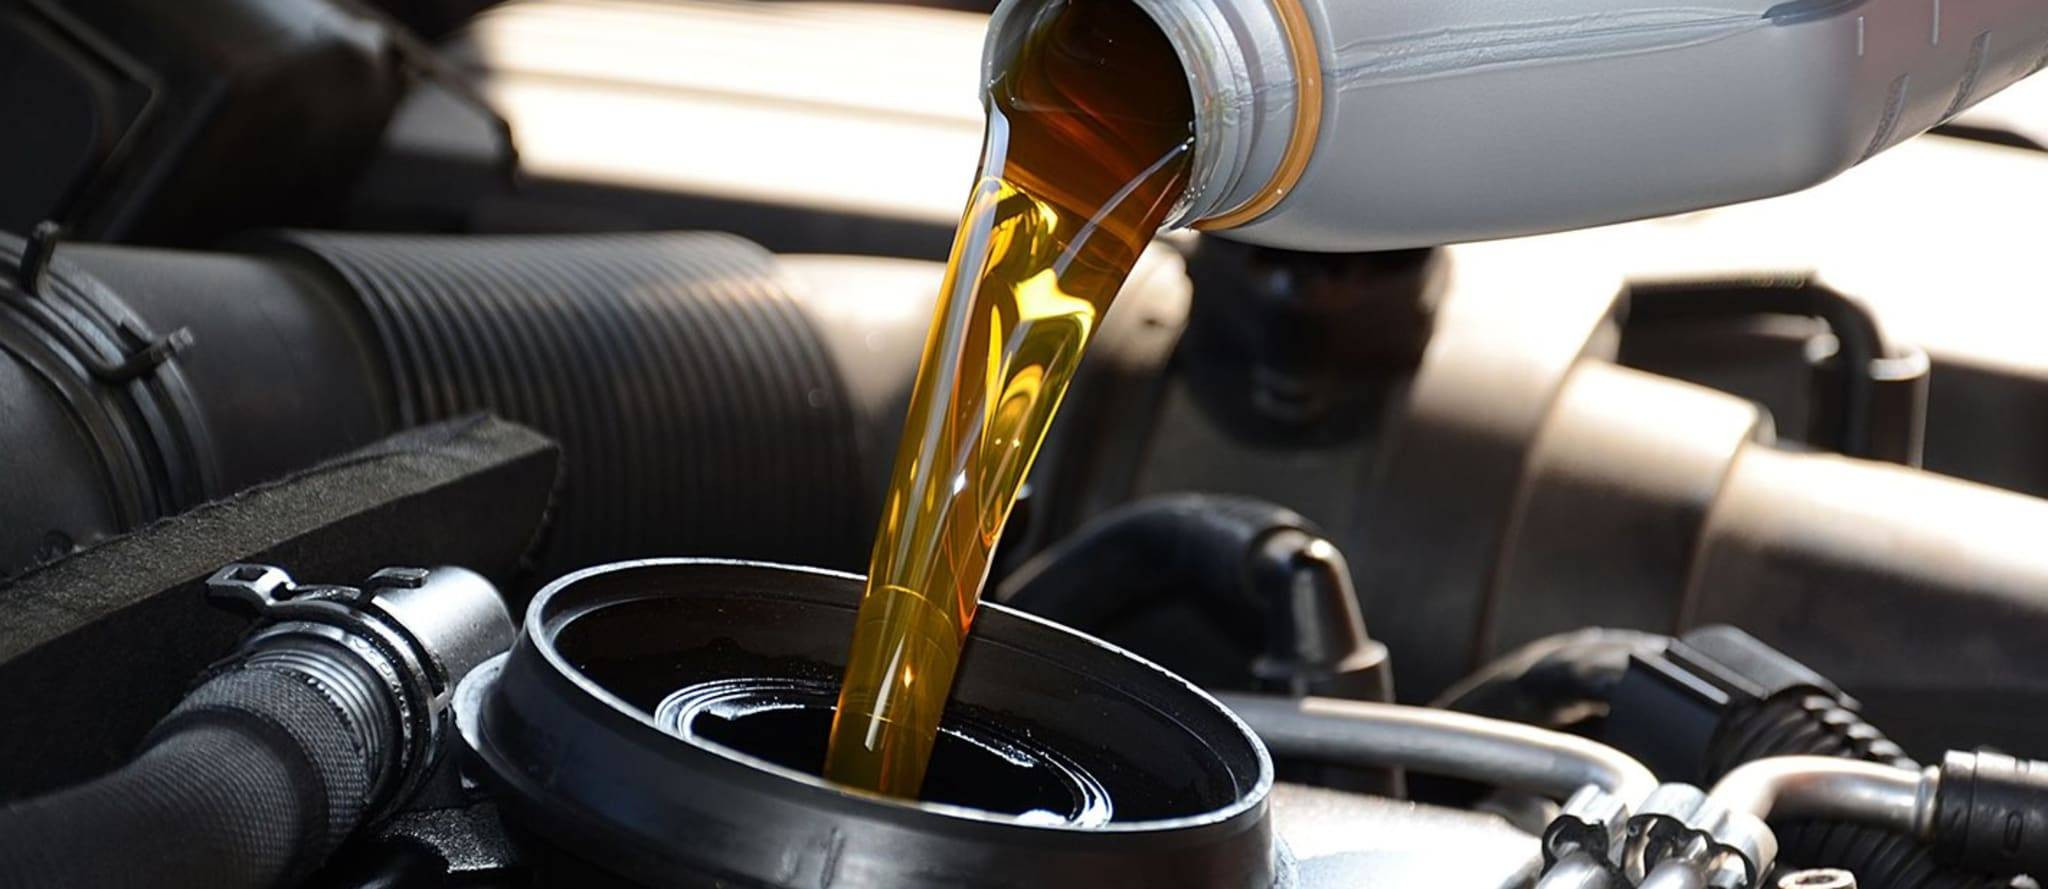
(976, 764)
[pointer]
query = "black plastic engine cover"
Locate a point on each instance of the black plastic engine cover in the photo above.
(179, 122)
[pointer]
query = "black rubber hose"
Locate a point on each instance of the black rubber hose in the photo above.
(1802, 722)
(1992, 813)
(250, 783)
(1193, 548)
(1556, 682)
(1231, 592)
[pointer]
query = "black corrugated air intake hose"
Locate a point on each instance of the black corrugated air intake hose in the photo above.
(695, 404)
(698, 406)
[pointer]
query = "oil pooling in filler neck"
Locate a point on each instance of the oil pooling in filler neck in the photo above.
(1089, 145)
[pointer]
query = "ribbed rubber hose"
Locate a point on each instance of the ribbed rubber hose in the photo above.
(1800, 722)
(248, 784)
(692, 396)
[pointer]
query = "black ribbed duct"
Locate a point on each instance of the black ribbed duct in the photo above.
(698, 409)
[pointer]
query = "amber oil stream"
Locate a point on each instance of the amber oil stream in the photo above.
(1089, 145)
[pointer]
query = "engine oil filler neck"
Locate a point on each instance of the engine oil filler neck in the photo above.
(662, 723)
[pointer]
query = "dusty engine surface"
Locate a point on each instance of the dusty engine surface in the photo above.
(412, 416)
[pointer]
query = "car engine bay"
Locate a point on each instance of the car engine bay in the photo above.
(416, 414)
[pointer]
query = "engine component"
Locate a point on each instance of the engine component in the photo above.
(1707, 704)
(1818, 878)
(626, 348)
(1249, 594)
(326, 716)
(664, 722)
(1901, 800)
(1992, 813)
(84, 367)
(1580, 869)
(1681, 837)
(1868, 397)
(1982, 812)
(1881, 237)
(1516, 479)
(1296, 351)
(1342, 840)
(180, 124)
(1444, 743)
(1537, 489)
(1858, 341)
(99, 645)
(1558, 681)
(1699, 707)
(1677, 837)
(419, 631)
(1229, 592)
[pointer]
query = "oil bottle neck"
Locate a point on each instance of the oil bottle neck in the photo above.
(1247, 63)
(1244, 61)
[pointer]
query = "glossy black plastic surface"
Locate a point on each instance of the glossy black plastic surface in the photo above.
(566, 729)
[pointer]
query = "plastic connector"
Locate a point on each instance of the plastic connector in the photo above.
(1671, 707)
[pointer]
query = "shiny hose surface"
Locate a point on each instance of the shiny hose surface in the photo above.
(1440, 742)
(1897, 799)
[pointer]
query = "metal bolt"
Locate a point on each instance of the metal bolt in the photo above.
(1818, 878)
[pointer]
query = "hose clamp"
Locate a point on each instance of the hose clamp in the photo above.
(1593, 822)
(115, 375)
(1680, 823)
(419, 630)
(1676, 824)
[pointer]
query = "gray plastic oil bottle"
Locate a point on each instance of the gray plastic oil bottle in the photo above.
(1345, 125)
